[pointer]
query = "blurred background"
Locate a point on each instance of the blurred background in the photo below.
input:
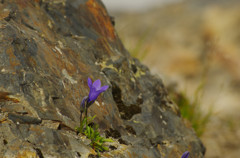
(194, 46)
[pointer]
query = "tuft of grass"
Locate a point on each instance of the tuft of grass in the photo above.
(91, 131)
(191, 111)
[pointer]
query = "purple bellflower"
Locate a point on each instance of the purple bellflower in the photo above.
(185, 154)
(95, 91)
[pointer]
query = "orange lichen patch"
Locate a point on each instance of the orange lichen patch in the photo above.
(4, 96)
(102, 21)
(12, 58)
(103, 44)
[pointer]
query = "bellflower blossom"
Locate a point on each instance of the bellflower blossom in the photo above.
(95, 91)
(185, 154)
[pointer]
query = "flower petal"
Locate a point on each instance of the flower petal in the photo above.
(185, 154)
(93, 96)
(104, 88)
(95, 90)
(89, 82)
(97, 84)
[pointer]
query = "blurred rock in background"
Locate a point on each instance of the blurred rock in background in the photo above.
(188, 43)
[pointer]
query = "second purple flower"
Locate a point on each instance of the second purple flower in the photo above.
(185, 154)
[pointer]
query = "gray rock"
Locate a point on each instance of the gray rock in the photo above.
(48, 49)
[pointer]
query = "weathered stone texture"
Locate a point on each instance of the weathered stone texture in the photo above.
(48, 49)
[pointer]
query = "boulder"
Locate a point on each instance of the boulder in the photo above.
(48, 50)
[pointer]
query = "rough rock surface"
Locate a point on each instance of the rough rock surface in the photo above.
(48, 49)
